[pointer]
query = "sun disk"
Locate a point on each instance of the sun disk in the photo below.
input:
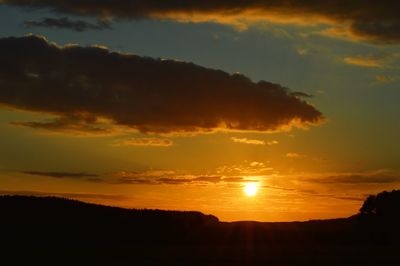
(250, 189)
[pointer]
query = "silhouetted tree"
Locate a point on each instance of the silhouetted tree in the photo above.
(383, 206)
(369, 206)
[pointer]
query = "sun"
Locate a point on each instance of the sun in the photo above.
(250, 189)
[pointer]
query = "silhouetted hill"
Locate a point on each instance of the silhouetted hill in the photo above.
(55, 231)
(54, 218)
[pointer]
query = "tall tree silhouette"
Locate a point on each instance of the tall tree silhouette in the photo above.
(383, 206)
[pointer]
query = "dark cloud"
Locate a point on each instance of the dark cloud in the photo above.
(279, 188)
(75, 124)
(142, 179)
(314, 193)
(82, 196)
(350, 198)
(209, 178)
(66, 23)
(62, 174)
(176, 179)
(234, 179)
(158, 177)
(359, 178)
(95, 180)
(384, 30)
(173, 181)
(84, 86)
(338, 197)
(372, 20)
(135, 181)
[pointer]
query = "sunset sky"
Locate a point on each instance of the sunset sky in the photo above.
(183, 105)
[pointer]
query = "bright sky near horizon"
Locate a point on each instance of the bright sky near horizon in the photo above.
(143, 105)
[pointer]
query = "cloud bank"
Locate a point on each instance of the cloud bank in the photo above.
(66, 23)
(83, 86)
(371, 20)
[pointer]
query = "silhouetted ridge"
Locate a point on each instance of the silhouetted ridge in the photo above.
(56, 231)
(58, 208)
(66, 221)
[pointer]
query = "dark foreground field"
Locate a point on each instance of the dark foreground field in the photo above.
(54, 231)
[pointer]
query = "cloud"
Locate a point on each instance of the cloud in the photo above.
(253, 141)
(381, 29)
(208, 178)
(349, 198)
(375, 21)
(365, 61)
(248, 141)
(301, 94)
(73, 124)
(82, 86)
(245, 169)
(160, 177)
(164, 177)
(360, 179)
(377, 177)
(386, 79)
(153, 142)
(95, 180)
(278, 188)
(66, 23)
(80, 196)
(61, 174)
(294, 185)
(237, 179)
(294, 155)
(302, 51)
(147, 177)
(332, 196)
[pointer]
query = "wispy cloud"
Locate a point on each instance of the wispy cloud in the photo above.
(376, 177)
(93, 178)
(247, 168)
(152, 142)
(386, 78)
(294, 155)
(81, 196)
(378, 60)
(160, 177)
(60, 174)
(72, 124)
(365, 61)
(253, 141)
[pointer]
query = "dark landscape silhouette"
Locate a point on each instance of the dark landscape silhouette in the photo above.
(57, 231)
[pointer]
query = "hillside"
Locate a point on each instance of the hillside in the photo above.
(55, 231)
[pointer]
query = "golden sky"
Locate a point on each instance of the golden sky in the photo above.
(256, 110)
